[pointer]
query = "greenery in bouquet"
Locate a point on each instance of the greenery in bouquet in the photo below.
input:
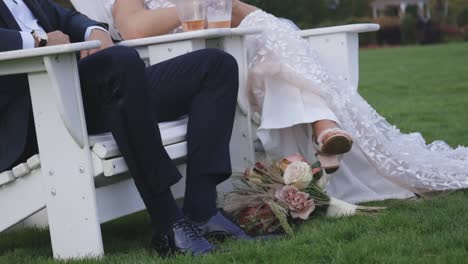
(272, 195)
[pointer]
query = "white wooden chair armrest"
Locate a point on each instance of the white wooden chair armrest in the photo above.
(353, 28)
(47, 51)
(200, 34)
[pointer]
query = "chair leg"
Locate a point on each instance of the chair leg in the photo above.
(66, 166)
(242, 148)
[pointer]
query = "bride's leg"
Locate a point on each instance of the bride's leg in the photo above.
(239, 11)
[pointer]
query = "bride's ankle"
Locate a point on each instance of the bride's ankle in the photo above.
(322, 125)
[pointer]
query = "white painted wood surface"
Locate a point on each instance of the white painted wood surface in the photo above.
(21, 198)
(34, 162)
(241, 146)
(21, 170)
(6, 177)
(338, 49)
(45, 51)
(106, 149)
(192, 35)
(68, 177)
(351, 28)
(171, 132)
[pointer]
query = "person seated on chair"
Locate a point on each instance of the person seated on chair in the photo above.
(121, 95)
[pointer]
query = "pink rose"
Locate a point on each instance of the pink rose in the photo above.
(295, 157)
(299, 203)
(316, 170)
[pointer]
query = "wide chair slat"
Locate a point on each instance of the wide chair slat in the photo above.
(34, 162)
(6, 177)
(21, 170)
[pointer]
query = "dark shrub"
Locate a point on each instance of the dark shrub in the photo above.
(464, 32)
(429, 32)
(389, 32)
(462, 19)
(451, 33)
(409, 30)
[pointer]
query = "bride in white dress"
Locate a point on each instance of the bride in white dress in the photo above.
(291, 90)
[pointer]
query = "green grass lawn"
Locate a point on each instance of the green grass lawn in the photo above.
(418, 89)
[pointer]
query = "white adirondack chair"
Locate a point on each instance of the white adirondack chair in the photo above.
(86, 172)
(80, 178)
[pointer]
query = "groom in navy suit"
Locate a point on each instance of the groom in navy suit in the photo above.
(122, 96)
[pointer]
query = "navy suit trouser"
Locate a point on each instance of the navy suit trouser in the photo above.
(121, 95)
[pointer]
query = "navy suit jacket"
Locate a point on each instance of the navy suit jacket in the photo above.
(15, 102)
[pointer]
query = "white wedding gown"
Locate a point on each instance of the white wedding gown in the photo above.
(290, 89)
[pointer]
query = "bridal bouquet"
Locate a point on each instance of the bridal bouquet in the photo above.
(272, 195)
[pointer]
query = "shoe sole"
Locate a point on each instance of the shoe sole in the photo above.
(336, 145)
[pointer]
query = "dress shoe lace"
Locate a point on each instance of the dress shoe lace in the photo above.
(190, 230)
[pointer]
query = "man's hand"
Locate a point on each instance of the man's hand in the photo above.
(103, 36)
(57, 38)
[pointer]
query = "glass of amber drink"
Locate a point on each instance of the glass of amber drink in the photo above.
(192, 14)
(219, 13)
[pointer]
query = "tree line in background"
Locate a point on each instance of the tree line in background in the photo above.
(449, 18)
(309, 13)
(448, 22)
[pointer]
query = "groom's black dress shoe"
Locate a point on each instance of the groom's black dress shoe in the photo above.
(183, 237)
(220, 227)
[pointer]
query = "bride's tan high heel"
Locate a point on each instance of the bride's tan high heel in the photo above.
(330, 144)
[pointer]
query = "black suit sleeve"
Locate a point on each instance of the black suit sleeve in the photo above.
(70, 22)
(10, 40)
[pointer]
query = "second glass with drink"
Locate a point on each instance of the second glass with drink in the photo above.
(192, 14)
(219, 13)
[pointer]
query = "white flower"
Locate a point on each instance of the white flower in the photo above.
(299, 174)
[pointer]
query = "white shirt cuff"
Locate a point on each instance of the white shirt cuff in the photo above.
(28, 40)
(89, 29)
